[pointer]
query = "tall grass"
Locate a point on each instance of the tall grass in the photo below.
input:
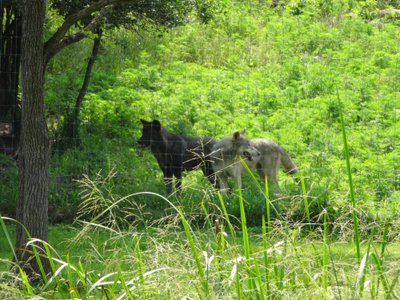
(176, 259)
(350, 178)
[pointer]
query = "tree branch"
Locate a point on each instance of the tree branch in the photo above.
(68, 40)
(58, 41)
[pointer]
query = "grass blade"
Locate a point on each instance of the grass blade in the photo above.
(267, 205)
(361, 276)
(305, 199)
(223, 207)
(351, 187)
(195, 255)
(246, 244)
(260, 293)
(266, 261)
(4, 227)
(325, 255)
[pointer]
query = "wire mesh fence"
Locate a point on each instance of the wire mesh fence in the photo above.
(272, 71)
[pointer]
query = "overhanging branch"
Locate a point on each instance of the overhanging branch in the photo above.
(58, 41)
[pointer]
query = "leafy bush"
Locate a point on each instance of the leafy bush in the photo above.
(275, 72)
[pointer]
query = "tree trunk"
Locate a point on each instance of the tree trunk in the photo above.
(69, 133)
(32, 206)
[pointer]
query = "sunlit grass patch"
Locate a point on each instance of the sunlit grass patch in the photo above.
(175, 261)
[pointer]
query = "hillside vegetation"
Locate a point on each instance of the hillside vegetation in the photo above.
(283, 73)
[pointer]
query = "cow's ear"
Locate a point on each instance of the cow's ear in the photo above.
(236, 135)
(144, 122)
(156, 125)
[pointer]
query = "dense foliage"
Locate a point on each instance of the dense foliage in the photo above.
(308, 74)
(281, 72)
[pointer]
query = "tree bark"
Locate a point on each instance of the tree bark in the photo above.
(32, 205)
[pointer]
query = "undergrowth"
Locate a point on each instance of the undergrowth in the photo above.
(122, 256)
